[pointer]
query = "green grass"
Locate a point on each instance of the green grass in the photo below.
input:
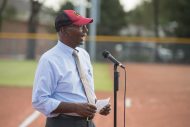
(102, 78)
(17, 73)
(21, 74)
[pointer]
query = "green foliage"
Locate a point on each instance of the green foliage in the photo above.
(173, 16)
(21, 74)
(177, 11)
(10, 13)
(142, 15)
(112, 17)
(3, 4)
(67, 6)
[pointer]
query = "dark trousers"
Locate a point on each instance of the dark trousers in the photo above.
(68, 121)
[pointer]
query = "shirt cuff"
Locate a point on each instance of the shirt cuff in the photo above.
(52, 107)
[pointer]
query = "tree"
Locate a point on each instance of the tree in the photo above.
(171, 15)
(2, 9)
(32, 27)
(175, 14)
(112, 17)
(67, 6)
(180, 11)
(142, 15)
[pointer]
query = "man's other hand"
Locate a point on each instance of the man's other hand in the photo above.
(106, 110)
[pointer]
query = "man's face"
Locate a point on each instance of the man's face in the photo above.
(77, 34)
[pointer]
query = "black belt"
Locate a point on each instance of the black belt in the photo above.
(75, 117)
(68, 121)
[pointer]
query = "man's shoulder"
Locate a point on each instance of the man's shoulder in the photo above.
(49, 54)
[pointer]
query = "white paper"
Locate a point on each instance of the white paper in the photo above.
(102, 103)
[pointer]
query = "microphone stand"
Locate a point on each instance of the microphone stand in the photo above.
(116, 88)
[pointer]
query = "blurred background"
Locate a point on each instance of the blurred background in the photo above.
(138, 30)
(152, 37)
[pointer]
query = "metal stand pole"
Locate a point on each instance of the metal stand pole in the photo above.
(116, 88)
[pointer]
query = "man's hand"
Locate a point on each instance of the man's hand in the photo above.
(86, 110)
(106, 110)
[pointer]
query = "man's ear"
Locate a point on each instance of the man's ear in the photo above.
(64, 31)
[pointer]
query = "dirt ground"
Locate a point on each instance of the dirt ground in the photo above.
(158, 95)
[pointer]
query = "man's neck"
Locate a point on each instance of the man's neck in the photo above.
(68, 43)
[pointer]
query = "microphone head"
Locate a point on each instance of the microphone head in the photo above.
(105, 53)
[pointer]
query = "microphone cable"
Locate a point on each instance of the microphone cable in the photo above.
(125, 96)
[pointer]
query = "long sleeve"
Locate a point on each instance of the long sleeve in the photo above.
(44, 85)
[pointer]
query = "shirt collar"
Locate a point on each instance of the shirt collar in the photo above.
(65, 48)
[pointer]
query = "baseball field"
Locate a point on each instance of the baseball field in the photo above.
(157, 96)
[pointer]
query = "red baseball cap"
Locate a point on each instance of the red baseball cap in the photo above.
(68, 17)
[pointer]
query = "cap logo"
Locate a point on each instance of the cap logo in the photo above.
(77, 14)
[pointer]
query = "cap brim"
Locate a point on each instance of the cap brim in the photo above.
(83, 21)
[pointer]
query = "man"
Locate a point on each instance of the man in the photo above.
(63, 87)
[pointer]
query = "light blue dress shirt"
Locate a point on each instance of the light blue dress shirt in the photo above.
(57, 79)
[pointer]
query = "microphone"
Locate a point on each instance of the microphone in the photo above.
(108, 55)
